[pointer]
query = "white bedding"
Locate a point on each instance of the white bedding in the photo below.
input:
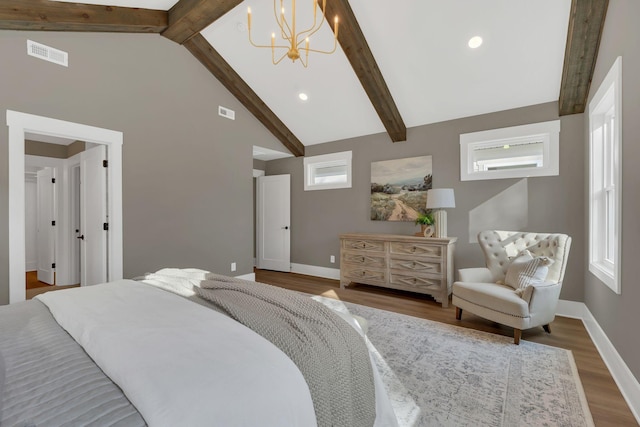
(214, 371)
(182, 282)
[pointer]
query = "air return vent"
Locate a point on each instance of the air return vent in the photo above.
(47, 53)
(227, 113)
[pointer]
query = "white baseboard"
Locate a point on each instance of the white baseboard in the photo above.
(572, 309)
(32, 266)
(622, 375)
(312, 270)
(250, 276)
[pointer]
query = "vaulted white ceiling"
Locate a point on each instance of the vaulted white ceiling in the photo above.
(421, 50)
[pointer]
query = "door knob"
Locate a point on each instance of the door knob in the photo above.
(80, 237)
(286, 227)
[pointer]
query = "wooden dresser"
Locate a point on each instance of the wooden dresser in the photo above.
(416, 264)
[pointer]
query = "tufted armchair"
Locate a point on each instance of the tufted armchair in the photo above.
(482, 290)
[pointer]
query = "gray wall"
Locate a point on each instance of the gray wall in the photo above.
(187, 172)
(619, 314)
(43, 149)
(555, 204)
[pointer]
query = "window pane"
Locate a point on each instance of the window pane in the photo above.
(331, 170)
(527, 154)
(330, 174)
(610, 225)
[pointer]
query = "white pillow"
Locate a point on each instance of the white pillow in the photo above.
(526, 270)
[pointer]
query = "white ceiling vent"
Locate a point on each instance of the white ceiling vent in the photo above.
(226, 112)
(47, 53)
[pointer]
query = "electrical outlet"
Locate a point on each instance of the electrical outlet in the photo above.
(233, 266)
(332, 259)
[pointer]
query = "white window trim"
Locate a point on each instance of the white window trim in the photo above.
(549, 132)
(604, 270)
(342, 158)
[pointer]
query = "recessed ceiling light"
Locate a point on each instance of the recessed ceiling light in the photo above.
(303, 96)
(475, 42)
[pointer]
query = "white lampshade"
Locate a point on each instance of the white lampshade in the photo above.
(439, 198)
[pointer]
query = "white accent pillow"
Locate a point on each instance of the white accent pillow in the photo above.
(526, 270)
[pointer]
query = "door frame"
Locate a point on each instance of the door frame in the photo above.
(21, 123)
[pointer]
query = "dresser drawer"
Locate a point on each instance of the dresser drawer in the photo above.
(420, 266)
(363, 274)
(426, 284)
(364, 259)
(363, 245)
(415, 248)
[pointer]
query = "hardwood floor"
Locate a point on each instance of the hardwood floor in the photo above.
(33, 282)
(35, 287)
(607, 405)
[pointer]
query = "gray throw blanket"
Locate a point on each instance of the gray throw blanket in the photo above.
(331, 355)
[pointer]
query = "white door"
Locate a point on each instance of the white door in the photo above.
(93, 216)
(273, 239)
(45, 235)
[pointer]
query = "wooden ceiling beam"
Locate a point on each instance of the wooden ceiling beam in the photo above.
(586, 22)
(215, 63)
(188, 17)
(45, 15)
(357, 50)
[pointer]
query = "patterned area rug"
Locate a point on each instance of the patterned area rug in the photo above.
(443, 375)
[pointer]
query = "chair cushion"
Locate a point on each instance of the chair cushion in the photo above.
(499, 298)
(526, 270)
(500, 246)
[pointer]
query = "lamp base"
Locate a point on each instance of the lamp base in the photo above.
(440, 219)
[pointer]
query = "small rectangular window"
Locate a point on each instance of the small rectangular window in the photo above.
(327, 171)
(513, 152)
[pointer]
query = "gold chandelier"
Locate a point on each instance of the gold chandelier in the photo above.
(293, 39)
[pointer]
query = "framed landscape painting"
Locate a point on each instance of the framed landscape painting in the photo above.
(399, 188)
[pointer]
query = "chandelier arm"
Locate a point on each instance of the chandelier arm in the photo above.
(267, 46)
(273, 58)
(303, 36)
(316, 30)
(284, 29)
(281, 21)
(313, 27)
(335, 46)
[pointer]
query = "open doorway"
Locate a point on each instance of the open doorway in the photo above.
(52, 191)
(20, 125)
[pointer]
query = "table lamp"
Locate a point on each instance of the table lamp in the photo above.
(439, 199)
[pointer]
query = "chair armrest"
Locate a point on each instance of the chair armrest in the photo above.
(478, 275)
(542, 297)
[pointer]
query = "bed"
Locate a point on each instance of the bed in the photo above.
(185, 347)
